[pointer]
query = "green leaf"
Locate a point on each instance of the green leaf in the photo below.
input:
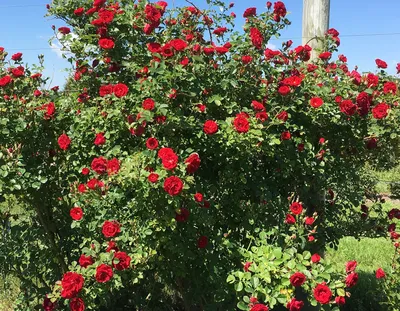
(239, 286)
(230, 279)
(242, 305)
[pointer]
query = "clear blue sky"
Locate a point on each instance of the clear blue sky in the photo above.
(23, 28)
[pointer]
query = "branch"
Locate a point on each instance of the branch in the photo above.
(205, 16)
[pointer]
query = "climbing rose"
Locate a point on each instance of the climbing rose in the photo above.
(113, 166)
(152, 143)
(241, 124)
(182, 215)
(64, 30)
(259, 307)
(296, 208)
(148, 104)
(256, 37)
(210, 127)
(250, 12)
(99, 139)
(77, 304)
(120, 90)
(351, 279)
(297, 279)
(380, 111)
(322, 293)
(280, 9)
(106, 43)
(193, 163)
(124, 261)
(110, 228)
(316, 102)
(380, 273)
(99, 165)
(202, 242)
(286, 135)
(64, 141)
(104, 273)
(381, 64)
(16, 56)
(315, 258)
(198, 197)
(168, 157)
(351, 266)
(173, 185)
(294, 305)
(76, 213)
(85, 261)
(347, 107)
(71, 284)
(340, 300)
(153, 177)
(105, 90)
(290, 220)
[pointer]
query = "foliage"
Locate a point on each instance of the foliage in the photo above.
(176, 140)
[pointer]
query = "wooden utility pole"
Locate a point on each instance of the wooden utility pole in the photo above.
(315, 22)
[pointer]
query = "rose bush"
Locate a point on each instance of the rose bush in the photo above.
(176, 139)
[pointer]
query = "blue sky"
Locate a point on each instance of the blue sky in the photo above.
(23, 28)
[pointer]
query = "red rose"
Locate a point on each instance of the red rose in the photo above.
(241, 124)
(325, 55)
(152, 13)
(50, 110)
(77, 304)
(250, 12)
(106, 43)
(259, 307)
(372, 80)
(81, 188)
(347, 107)
(153, 177)
(4, 81)
(315, 258)
(316, 102)
(286, 135)
(202, 242)
(279, 9)
(363, 102)
(351, 266)
(193, 163)
(152, 143)
(380, 111)
(284, 90)
(48, 305)
(256, 38)
(113, 166)
(322, 293)
(380, 274)
(340, 300)
(105, 90)
(297, 279)
(71, 284)
(182, 215)
(110, 228)
(100, 139)
(104, 273)
(262, 116)
(296, 208)
(148, 104)
(290, 220)
(99, 165)
(106, 16)
(283, 116)
(178, 44)
(210, 127)
(246, 266)
(309, 221)
(351, 279)
(79, 11)
(76, 213)
(294, 305)
(390, 87)
(64, 30)
(247, 59)
(16, 56)
(124, 261)
(219, 31)
(198, 197)
(173, 185)
(168, 157)
(85, 261)
(19, 72)
(64, 141)
(120, 90)
(381, 64)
